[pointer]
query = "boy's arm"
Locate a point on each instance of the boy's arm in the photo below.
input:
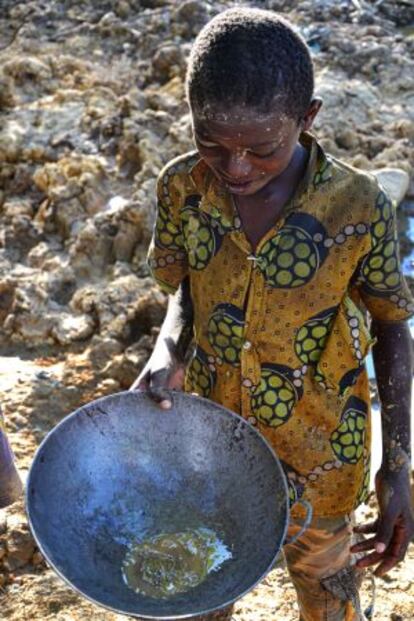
(394, 528)
(11, 487)
(166, 367)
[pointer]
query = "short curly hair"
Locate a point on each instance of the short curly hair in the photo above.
(250, 57)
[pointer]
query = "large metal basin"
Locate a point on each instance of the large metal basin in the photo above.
(120, 469)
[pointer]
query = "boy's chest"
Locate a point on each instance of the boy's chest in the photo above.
(258, 218)
(286, 257)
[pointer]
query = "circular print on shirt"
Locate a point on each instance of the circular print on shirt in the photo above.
(200, 376)
(380, 269)
(291, 258)
(348, 439)
(364, 489)
(350, 378)
(225, 332)
(312, 335)
(274, 398)
(323, 173)
(168, 235)
(295, 489)
(201, 238)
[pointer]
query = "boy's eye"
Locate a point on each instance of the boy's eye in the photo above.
(263, 155)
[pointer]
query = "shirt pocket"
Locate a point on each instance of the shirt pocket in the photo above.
(346, 347)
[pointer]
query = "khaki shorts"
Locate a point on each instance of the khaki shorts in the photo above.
(322, 571)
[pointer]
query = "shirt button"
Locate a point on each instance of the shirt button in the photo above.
(247, 345)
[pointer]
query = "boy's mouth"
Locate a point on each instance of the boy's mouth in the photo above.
(237, 186)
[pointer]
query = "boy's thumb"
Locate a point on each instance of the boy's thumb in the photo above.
(384, 535)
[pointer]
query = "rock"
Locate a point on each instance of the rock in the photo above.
(11, 141)
(23, 68)
(347, 139)
(189, 17)
(7, 99)
(167, 62)
(107, 387)
(7, 290)
(28, 319)
(37, 559)
(91, 250)
(361, 161)
(76, 189)
(102, 349)
(20, 235)
(126, 366)
(122, 8)
(395, 181)
(404, 128)
(42, 253)
(20, 543)
(71, 328)
(400, 12)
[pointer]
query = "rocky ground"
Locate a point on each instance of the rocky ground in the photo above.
(91, 107)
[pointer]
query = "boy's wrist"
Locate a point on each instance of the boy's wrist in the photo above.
(395, 459)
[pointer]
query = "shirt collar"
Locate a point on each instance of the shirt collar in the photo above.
(216, 201)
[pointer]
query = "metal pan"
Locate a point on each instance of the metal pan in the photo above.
(120, 469)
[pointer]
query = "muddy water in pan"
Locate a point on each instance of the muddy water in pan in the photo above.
(170, 563)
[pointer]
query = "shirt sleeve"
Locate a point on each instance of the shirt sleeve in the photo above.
(379, 277)
(167, 256)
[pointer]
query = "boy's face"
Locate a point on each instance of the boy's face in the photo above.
(246, 150)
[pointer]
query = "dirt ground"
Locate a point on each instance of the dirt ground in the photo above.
(91, 107)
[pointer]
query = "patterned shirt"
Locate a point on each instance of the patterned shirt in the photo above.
(281, 334)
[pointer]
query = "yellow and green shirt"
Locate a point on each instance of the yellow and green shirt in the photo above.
(281, 334)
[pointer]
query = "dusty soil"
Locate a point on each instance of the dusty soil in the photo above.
(92, 105)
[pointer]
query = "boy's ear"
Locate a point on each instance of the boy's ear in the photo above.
(310, 115)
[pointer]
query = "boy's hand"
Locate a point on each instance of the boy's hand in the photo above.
(161, 374)
(394, 528)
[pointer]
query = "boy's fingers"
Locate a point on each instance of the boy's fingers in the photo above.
(385, 532)
(176, 379)
(389, 562)
(160, 396)
(362, 546)
(371, 559)
(157, 389)
(365, 529)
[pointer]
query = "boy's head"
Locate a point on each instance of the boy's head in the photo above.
(249, 85)
(249, 58)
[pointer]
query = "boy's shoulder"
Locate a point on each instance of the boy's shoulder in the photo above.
(179, 167)
(340, 191)
(349, 180)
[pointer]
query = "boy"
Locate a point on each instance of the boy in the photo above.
(10, 483)
(269, 249)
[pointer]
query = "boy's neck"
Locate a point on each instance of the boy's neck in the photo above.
(260, 211)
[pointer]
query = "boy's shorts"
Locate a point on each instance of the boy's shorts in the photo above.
(322, 571)
(10, 483)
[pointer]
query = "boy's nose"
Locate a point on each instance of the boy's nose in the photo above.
(236, 166)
